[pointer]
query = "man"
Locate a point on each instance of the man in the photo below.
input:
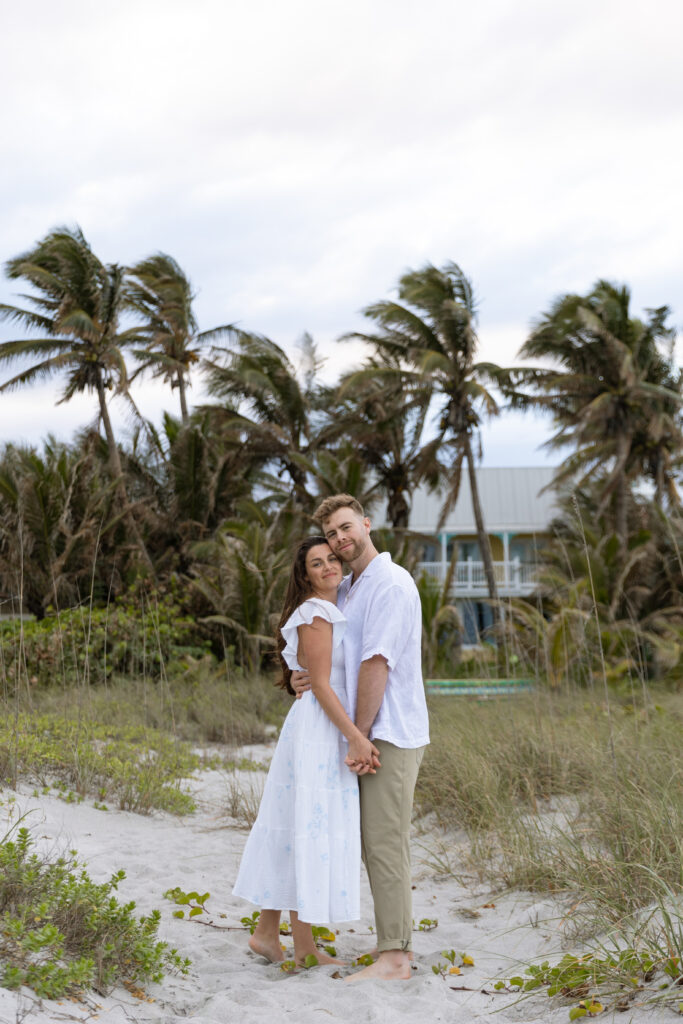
(382, 647)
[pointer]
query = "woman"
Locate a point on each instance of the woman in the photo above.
(303, 853)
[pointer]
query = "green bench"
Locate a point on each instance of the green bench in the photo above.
(478, 687)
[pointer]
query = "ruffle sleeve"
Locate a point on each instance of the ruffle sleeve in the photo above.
(313, 608)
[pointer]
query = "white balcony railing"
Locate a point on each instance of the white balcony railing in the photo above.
(469, 578)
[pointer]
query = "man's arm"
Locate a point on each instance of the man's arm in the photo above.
(372, 681)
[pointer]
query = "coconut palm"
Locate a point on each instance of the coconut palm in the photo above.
(160, 292)
(241, 575)
(275, 425)
(614, 392)
(593, 603)
(50, 515)
(76, 306)
(431, 330)
(383, 417)
(189, 478)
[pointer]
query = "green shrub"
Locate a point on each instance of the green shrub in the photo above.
(61, 933)
(90, 645)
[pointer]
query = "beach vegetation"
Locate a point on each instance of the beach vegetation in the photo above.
(61, 933)
(143, 576)
(138, 769)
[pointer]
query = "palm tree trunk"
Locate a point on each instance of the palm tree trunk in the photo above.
(117, 473)
(484, 545)
(183, 398)
(622, 495)
(398, 509)
(659, 482)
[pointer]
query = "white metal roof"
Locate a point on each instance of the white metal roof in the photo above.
(510, 500)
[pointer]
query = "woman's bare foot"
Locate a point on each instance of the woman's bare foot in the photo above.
(268, 948)
(391, 965)
(323, 959)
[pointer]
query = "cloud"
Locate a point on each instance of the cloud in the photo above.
(297, 158)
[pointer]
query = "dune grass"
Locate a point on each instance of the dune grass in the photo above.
(558, 794)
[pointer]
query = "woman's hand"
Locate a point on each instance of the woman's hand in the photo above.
(300, 682)
(363, 756)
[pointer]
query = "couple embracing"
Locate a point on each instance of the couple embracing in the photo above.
(343, 775)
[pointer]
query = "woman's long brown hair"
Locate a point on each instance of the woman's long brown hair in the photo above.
(298, 589)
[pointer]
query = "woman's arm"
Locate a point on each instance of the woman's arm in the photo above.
(315, 648)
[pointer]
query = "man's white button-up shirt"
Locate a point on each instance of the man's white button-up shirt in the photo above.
(384, 617)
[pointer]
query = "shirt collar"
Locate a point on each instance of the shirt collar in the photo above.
(370, 569)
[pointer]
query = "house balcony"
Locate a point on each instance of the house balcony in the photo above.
(514, 578)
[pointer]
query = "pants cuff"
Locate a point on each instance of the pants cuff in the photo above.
(383, 945)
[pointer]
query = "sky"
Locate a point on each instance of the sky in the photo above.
(297, 157)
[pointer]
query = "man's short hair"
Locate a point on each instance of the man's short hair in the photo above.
(334, 503)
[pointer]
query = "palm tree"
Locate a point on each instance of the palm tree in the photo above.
(241, 574)
(595, 603)
(276, 427)
(160, 292)
(48, 534)
(189, 478)
(76, 310)
(432, 332)
(384, 419)
(615, 396)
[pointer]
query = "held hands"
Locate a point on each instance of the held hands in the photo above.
(363, 757)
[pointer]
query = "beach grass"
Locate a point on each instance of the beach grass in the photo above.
(566, 796)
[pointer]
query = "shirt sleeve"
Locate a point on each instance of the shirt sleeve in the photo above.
(388, 625)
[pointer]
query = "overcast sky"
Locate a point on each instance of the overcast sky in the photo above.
(296, 157)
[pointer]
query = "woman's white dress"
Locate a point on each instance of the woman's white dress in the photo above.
(303, 852)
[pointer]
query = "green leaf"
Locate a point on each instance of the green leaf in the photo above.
(195, 911)
(311, 961)
(179, 913)
(576, 1012)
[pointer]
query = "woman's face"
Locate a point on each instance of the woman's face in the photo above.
(323, 571)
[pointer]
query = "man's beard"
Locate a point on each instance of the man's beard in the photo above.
(352, 553)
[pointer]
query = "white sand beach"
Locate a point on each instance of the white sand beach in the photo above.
(227, 982)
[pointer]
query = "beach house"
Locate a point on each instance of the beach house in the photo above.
(517, 511)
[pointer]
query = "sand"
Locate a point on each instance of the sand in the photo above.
(228, 983)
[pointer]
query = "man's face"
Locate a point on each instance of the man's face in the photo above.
(347, 533)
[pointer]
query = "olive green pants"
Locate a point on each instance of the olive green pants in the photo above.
(386, 805)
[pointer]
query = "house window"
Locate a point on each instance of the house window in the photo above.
(430, 552)
(524, 550)
(477, 619)
(468, 549)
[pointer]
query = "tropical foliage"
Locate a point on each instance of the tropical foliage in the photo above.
(203, 509)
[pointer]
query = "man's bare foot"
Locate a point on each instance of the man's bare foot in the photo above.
(270, 949)
(374, 953)
(391, 965)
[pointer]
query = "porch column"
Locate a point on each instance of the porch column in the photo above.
(506, 557)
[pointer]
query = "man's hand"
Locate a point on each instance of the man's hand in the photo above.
(300, 681)
(361, 767)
